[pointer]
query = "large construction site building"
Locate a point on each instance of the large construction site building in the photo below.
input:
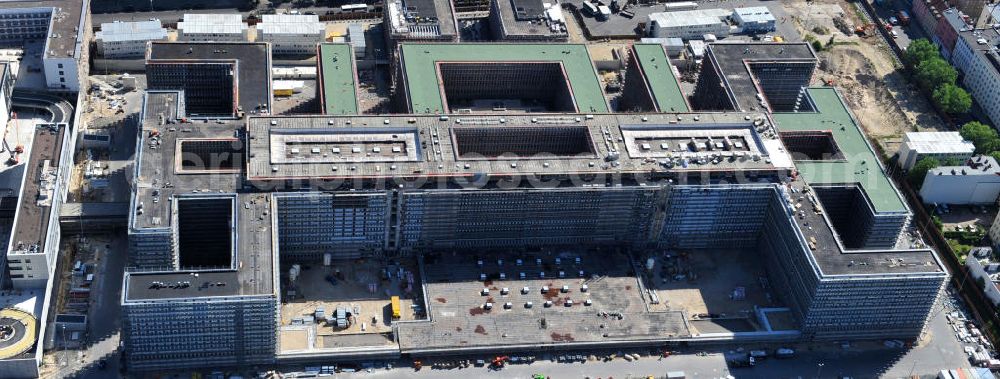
(220, 209)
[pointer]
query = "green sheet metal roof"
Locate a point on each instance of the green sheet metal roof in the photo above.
(419, 62)
(339, 87)
(660, 75)
(860, 165)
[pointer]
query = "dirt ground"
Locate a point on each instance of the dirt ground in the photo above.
(864, 70)
(710, 279)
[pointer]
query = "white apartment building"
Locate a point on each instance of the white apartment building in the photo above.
(128, 39)
(212, 27)
(976, 57)
(984, 267)
(693, 24)
(290, 34)
(975, 183)
(939, 145)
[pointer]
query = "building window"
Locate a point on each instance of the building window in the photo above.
(60, 65)
(62, 80)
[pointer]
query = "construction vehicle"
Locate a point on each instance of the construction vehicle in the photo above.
(865, 31)
(499, 362)
(395, 307)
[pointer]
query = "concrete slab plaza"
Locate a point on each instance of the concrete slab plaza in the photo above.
(362, 289)
(456, 301)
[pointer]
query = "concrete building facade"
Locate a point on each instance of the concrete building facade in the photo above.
(64, 26)
(975, 182)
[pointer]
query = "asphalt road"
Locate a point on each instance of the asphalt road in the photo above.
(904, 33)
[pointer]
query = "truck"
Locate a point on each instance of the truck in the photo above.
(395, 307)
(784, 353)
(741, 360)
(904, 18)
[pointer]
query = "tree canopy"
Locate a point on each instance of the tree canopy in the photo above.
(983, 136)
(919, 51)
(935, 72)
(952, 99)
(919, 170)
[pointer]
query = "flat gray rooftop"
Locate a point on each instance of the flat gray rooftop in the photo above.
(159, 183)
(524, 27)
(433, 146)
(253, 65)
(39, 191)
(832, 259)
(65, 39)
(732, 60)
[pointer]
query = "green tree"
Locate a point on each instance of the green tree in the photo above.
(919, 170)
(919, 51)
(952, 162)
(983, 136)
(935, 72)
(995, 155)
(817, 45)
(952, 99)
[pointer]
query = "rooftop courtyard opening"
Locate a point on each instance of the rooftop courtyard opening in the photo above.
(209, 155)
(505, 86)
(523, 141)
(205, 232)
(847, 209)
(812, 145)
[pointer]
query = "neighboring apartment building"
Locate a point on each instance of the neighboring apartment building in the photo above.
(212, 27)
(939, 145)
(976, 182)
(976, 57)
(985, 267)
(128, 39)
(291, 34)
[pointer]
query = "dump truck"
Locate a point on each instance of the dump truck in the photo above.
(395, 307)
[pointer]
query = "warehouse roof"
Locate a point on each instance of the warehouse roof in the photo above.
(337, 81)
(860, 164)
(212, 24)
(131, 31)
(938, 143)
(660, 77)
(419, 65)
